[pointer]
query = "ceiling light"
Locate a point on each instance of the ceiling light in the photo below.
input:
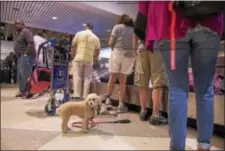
(84, 25)
(108, 30)
(54, 18)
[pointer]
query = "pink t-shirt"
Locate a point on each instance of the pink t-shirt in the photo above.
(159, 21)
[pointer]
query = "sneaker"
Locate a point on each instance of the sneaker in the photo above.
(29, 96)
(158, 120)
(103, 110)
(108, 101)
(122, 108)
(143, 116)
(23, 97)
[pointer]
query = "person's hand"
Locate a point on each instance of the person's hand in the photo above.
(27, 53)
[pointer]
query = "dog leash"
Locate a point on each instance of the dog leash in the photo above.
(94, 123)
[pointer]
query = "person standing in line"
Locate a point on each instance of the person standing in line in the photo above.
(65, 41)
(38, 40)
(149, 66)
(85, 52)
(122, 58)
(178, 38)
(26, 54)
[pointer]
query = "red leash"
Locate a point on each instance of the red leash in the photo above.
(79, 123)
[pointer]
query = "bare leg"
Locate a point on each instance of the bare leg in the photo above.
(122, 92)
(123, 81)
(110, 87)
(111, 83)
(156, 100)
(156, 118)
(165, 100)
(143, 95)
(159, 80)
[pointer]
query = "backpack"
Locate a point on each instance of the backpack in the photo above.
(199, 10)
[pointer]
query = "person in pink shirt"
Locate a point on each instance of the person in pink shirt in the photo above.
(179, 38)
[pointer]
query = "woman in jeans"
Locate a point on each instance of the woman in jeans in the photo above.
(122, 58)
(199, 41)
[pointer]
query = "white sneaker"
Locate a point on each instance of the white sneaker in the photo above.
(108, 101)
(122, 108)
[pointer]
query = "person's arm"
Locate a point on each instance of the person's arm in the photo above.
(135, 43)
(74, 47)
(30, 42)
(97, 50)
(113, 36)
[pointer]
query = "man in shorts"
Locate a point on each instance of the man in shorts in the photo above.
(149, 66)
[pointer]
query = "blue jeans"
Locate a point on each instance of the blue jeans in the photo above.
(202, 46)
(24, 70)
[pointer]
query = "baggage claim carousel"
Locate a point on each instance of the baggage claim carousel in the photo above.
(132, 97)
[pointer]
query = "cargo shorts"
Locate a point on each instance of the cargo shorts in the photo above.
(149, 66)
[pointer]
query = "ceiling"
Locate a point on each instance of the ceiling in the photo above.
(71, 15)
(119, 7)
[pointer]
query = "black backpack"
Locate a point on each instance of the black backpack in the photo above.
(199, 10)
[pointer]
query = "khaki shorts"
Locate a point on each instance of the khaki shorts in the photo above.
(149, 66)
(118, 63)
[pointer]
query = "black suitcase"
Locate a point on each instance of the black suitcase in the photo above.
(6, 75)
(1, 76)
